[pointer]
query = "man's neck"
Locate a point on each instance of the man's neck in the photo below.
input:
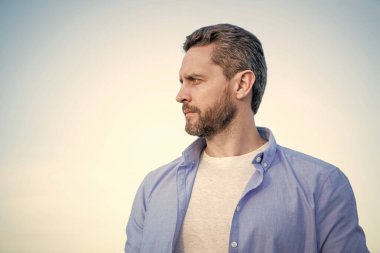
(239, 138)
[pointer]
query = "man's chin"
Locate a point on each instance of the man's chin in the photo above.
(192, 130)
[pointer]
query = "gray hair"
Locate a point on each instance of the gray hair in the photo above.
(236, 50)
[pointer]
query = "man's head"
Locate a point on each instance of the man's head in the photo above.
(235, 50)
(223, 66)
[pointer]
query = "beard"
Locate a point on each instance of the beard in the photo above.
(214, 119)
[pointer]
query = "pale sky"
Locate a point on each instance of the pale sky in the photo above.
(87, 105)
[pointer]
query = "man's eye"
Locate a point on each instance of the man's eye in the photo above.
(196, 81)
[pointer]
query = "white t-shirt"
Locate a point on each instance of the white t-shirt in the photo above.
(218, 186)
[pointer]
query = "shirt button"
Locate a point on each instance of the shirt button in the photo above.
(238, 208)
(258, 159)
(233, 244)
(265, 164)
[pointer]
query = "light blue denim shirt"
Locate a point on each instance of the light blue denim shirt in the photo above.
(292, 203)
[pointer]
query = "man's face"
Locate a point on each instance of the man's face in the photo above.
(205, 94)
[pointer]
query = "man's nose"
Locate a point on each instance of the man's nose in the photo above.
(183, 95)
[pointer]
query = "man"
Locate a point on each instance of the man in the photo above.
(234, 189)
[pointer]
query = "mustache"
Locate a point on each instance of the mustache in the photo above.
(186, 107)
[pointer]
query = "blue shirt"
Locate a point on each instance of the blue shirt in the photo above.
(292, 203)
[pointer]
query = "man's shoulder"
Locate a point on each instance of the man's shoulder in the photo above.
(168, 167)
(164, 173)
(303, 158)
(307, 164)
(313, 174)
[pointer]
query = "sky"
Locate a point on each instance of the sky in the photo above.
(87, 105)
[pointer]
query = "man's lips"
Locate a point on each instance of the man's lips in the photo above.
(186, 111)
(189, 109)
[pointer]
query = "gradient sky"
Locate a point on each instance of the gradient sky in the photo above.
(87, 105)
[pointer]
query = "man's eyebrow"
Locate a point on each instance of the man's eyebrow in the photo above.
(191, 76)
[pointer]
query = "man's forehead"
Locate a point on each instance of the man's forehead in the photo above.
(196, 61)
(191, 75)
(193, 70)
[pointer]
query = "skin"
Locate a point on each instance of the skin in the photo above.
(202, 83)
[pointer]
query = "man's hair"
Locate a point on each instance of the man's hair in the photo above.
(235, 50)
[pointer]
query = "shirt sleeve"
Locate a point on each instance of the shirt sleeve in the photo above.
(135, 224)
(337, 218)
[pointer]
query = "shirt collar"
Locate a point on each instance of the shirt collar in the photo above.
(192, 154)
(266, 157)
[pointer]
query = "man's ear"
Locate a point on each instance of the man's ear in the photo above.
(244, 81)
